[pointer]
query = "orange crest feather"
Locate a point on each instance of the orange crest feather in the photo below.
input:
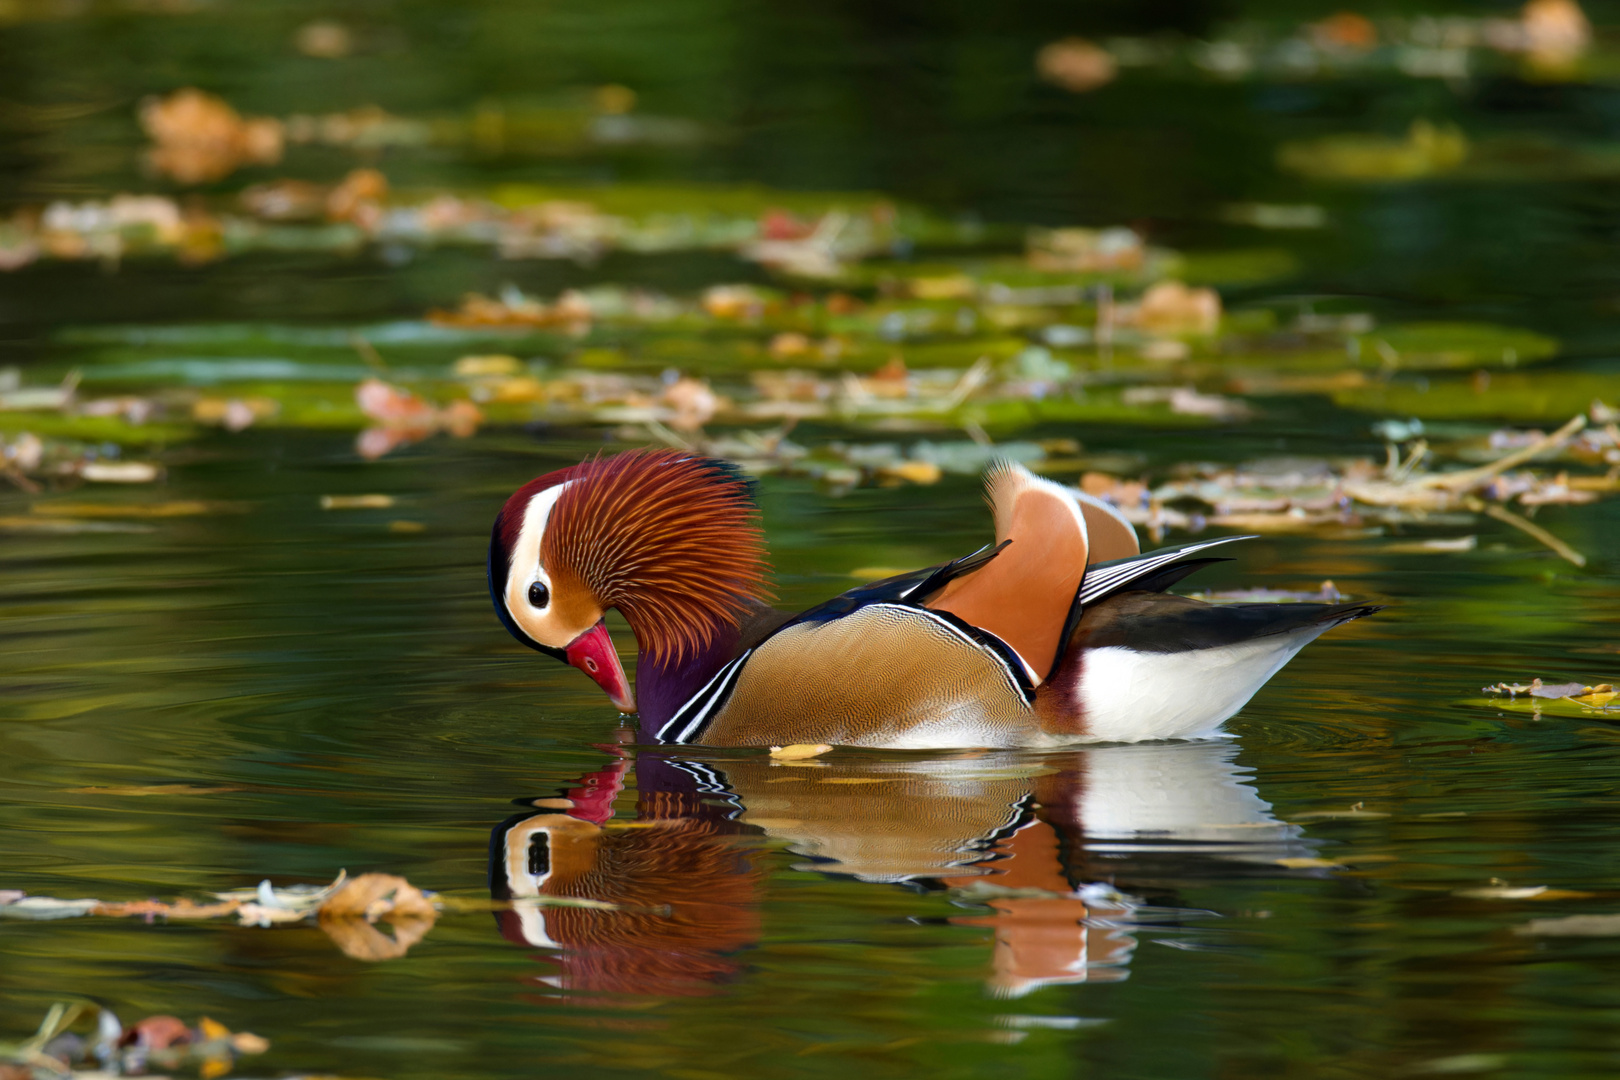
(669, 539)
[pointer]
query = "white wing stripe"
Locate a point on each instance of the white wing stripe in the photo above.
(1101, 581)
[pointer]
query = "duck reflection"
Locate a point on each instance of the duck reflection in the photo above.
(1048, 851)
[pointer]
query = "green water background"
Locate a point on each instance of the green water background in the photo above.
(351, 688)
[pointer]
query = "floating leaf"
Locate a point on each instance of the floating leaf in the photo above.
(356, 502)
(799, 751)
(1572, 926)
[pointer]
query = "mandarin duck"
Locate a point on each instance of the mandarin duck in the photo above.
(1060, 632)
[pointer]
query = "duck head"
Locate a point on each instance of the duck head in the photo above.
(666, 538)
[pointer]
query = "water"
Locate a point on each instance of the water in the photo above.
(259, 688)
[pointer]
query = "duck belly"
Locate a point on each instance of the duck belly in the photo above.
(1132, 696)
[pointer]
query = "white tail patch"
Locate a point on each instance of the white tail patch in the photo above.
(1130, 696)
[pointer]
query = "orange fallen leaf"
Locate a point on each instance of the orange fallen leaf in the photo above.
(1076, 65)
(375, 896)
(199, 138)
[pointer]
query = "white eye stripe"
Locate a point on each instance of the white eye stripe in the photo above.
(526, 551)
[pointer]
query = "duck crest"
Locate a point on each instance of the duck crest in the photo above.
(670, 540)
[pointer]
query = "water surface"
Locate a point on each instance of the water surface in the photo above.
(265, 689)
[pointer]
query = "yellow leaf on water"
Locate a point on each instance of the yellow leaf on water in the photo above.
(474, 366)
(799, 751)
(356, 502)
(212, 1030)
(915, 472)
(1309, 864)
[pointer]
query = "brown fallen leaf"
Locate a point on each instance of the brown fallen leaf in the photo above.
(375, 896)
(199, 138)
(180, 909)
(1171, 307)
(1076, 65)
(393, 406)
(156, 1033)
(1344, 30)
(348, 916)
(364, 941)
(185, 909)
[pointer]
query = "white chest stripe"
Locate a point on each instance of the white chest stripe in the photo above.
(691, 718)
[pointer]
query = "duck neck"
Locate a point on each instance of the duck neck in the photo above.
(664, 683)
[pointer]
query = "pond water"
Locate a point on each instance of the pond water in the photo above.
(211, 680)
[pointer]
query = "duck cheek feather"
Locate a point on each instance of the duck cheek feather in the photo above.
(495, 571)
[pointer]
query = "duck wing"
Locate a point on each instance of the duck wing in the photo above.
(913, 588)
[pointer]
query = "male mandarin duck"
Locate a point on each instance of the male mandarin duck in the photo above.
(1062, 632)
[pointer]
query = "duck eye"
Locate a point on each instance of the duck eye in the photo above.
(539, 595)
